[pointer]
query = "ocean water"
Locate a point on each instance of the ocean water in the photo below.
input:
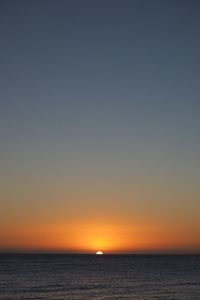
(57, 277)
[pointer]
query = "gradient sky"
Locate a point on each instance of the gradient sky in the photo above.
(100, 125)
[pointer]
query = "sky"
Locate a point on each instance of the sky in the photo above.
(99, 126)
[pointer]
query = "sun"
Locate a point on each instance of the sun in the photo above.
(99, 252)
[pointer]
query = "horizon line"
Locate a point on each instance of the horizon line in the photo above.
(38, 252)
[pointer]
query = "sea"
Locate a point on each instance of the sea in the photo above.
(84, 277)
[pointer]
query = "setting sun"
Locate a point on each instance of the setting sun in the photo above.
(99, 253)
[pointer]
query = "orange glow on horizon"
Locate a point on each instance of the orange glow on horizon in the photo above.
(88, 236)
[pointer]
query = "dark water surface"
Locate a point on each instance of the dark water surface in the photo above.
(57, 277)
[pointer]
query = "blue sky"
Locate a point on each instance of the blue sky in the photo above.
(100, 94)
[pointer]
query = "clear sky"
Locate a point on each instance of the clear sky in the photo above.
(99, 125)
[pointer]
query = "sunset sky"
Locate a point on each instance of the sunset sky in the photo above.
(100, 126)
